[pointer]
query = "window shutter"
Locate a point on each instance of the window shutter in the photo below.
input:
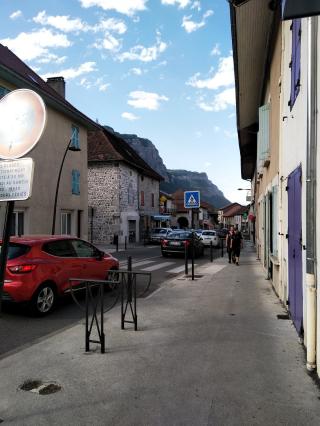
(75, 137)
(295, 61)
(263, 157)
(275, 221)
(75, 182)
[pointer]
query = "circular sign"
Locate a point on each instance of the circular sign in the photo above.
(22, 121)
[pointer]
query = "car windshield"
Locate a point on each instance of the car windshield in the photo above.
(180, 235)
(16, 250)
(212, 233)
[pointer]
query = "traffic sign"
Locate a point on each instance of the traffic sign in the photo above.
(192, 199)
(16, 179)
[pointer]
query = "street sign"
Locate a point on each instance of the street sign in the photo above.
(16, 179)
(192, 199)
(22, 121)
(245, 215)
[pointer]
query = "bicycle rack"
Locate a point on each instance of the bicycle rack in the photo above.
(126, 283)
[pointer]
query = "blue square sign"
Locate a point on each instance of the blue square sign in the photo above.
(192, 199)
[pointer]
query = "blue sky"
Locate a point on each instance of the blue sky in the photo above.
(161, 69)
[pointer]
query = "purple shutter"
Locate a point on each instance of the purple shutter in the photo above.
(295, 61)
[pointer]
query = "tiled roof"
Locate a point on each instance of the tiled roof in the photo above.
(19, 74)
(235, 210)
(105, 146)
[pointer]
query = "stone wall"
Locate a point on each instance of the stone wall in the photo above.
(103, 197)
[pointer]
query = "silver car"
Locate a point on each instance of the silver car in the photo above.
(157, 234)
(208, 236)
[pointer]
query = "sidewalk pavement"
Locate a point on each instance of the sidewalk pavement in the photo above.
(208, 352)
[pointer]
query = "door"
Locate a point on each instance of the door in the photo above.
(295, 249)
(132, 231)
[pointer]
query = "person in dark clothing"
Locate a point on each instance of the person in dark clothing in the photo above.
(229, 238)
(236, 245)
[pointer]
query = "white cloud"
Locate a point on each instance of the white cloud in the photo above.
(216, 129)
(181, 3)
(191, 26)
(51, 57)
(109, 42)
(129, 116)
(61, 22)
(196, 5)
(136, 71)
(198, 134)
(70, 73)
(215, 50)
(146, 100)
(222, 78)
(88, 84)
(29, 46)
(15, 15)
(112, 25)
(221, 101)
(207, 164)
(144, 54)
(127, 7)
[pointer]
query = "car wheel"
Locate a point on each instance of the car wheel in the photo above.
(44, 299)
(164, 254)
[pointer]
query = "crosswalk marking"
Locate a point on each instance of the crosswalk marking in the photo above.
(158, 266)
(179, 269)
(134, 264)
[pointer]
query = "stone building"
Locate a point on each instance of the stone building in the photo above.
(123, 190)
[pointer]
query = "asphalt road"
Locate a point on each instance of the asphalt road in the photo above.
(18, 329)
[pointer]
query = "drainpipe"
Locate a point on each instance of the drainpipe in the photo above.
(311, 206)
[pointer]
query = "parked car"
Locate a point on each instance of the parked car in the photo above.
(157, 234)
(39, 268)
(210, 236)
(222, 232)
(176, 242)
(199, 232)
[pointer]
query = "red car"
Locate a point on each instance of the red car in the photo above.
(39, 268)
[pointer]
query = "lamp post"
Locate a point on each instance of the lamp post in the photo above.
(68, 148)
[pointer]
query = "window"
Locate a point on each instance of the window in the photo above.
(3, 91)
(274, 219)
(142, 198)
(152, 200)
(75, 182)
(263, 148)
(130, 194)
(295, 61)
(17, 223)
(61, 248)
(75, 143)
(16, 250)
(84, 249)
(65, 223)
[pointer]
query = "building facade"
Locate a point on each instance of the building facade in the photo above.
(277, 90)
(64, 122)
(123, 190)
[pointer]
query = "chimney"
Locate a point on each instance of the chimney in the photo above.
(58, 84)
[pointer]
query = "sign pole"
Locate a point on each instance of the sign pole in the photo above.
(5, 247)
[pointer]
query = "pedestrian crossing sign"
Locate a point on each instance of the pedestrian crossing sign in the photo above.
(192, 199)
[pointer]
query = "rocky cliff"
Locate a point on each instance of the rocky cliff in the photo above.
(175, 179)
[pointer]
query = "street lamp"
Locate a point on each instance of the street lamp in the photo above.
(68, 148)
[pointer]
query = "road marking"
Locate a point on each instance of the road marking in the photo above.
(158, 266)
(143, 262)
(180, 269)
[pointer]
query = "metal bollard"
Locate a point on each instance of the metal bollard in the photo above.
(211, 251)
(125, 242)
(186, 259)
(192, 262)
(222, 247)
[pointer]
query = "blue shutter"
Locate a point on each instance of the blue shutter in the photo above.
(75, 182)
(295, 61)
(75, 137)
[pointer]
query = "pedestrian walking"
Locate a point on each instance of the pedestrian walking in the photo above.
(236, 245)
(229, 238)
